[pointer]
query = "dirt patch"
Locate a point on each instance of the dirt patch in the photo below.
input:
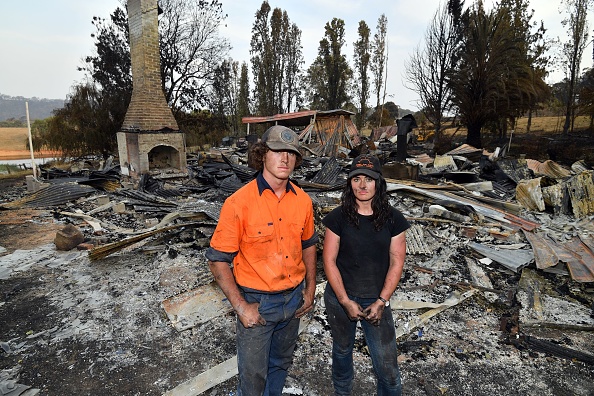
(24, 228)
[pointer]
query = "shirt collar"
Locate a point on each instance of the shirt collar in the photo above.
(263, 185)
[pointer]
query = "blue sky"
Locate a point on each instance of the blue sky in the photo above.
(43, 42)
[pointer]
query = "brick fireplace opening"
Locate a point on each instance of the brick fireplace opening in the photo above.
(149, 138)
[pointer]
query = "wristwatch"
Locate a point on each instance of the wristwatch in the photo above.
(386, 302)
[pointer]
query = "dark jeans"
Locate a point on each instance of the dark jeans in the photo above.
(381, 341)
(264, 353)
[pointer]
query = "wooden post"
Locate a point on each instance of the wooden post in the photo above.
(31, 142)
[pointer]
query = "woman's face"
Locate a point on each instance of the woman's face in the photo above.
(363, 187)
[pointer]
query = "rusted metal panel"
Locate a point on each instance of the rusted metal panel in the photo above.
(548, 168)
(544, 255)
(464, 149)
(587, 240)
(422, 159)
(301, 116)
(529, 194)
(581, 192)
(352, 132)
(582, 268)
(385, 132)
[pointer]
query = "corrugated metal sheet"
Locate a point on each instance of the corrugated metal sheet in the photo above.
(580, 166)
(529, 194)
(548, 168)
(581, 267)
(385, 132)
(514, 260)
(145, 198)
(329, 172)
(544, 254)
(421, 159)
(464, 149)
(581, 192)
(52, 195)
(416, 242)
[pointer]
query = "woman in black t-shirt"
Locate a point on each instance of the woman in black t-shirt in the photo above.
(364, 250)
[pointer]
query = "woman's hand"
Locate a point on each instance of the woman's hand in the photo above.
(374, 312)
(353, 310)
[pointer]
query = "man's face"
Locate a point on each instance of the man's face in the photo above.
(279, 164)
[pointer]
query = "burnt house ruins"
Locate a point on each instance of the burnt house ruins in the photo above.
(323, 133)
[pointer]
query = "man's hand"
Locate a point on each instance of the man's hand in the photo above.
(308, 302)
(374, 312)
(249, 316)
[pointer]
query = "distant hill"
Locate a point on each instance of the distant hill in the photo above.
(14, 107)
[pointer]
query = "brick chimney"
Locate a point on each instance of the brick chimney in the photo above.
(149, 138)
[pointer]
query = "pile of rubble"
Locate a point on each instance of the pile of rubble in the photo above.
(498, 276)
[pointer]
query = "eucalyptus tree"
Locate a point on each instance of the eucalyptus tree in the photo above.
(572, 51)
(481, 74)
(225, 92)
(276, 59)
(500, 72)
(361, 57)
(329, 76)
(294, 61)
(525, 87)
(243, 99)
(379, 55)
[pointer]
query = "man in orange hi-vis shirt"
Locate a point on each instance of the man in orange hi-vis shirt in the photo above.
(263, 256)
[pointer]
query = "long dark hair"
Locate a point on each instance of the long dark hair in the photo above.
(379, 204)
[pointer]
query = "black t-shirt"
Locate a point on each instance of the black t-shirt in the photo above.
(364, 253)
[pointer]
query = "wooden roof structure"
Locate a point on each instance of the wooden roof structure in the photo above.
(325, 133)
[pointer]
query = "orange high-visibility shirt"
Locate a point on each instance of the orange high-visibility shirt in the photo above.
(267, 234)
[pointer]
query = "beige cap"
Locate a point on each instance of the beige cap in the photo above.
(281, 138)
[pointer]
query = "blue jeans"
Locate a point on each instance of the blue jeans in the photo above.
(381, 341)
(264, 353)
